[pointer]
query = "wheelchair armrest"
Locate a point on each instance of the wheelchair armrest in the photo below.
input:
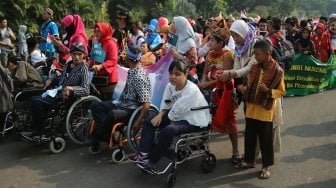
(200, 108)
(32, 90)
(27, 93)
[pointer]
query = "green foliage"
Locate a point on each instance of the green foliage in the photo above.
(28, 12)
(262, 11)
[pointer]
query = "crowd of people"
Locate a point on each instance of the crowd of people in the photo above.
(237, 57)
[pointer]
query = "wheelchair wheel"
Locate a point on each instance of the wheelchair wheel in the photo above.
(118, 155)
(79, 118)
(94, 152)
(171, 179)
(57, 145)
(133, 134)
(208, 164)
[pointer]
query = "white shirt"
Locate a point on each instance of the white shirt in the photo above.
(333, 43)
(138, 39)
(181, 103)
(5, 33)
(37, 56)
(242, 65)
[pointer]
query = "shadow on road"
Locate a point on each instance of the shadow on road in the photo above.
(328, 183)
(310, 130)
(324, 152)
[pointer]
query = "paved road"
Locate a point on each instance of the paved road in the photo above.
(308, 158)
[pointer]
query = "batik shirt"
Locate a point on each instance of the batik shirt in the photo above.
(137, 89)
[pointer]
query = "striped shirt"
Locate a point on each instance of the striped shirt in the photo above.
(78, 78)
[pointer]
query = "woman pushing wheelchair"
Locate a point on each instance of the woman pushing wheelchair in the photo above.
(175, 117)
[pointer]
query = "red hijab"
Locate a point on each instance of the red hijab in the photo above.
(105, 31)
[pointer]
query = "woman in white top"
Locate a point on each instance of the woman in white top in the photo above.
(36, 57)
(175, 117)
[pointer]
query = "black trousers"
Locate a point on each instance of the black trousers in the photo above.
(264, 131)
(106, 114)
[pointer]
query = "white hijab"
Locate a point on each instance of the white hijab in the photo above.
(186, 35)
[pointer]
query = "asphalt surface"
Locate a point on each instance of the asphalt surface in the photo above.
(308, 158)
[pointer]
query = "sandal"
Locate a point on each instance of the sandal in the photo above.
(236, 161)
(245, 165)
(265, 174)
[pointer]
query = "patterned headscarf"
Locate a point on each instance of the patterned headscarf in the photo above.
(246, 31)
(133, 53)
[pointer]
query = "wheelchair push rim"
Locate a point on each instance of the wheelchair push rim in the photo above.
(133, 135)
(79, 118)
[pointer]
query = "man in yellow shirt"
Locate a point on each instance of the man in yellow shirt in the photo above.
(265, 84)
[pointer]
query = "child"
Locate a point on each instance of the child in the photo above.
(175, 117)
(265, 84)
(221, 58)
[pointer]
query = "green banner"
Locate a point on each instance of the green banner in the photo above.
(308, 75)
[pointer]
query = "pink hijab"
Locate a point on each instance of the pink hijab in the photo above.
(79, 29)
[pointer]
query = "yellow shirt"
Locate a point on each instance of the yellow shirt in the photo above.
(261, 113)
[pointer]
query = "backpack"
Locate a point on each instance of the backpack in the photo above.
(283, 52)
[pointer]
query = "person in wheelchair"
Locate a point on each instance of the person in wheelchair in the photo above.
(74, 83)
(175, 117)
(24, 75)
(137, 92)
(6, 89)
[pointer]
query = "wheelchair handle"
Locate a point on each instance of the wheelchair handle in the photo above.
(200, 108)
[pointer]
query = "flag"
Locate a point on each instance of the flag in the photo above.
(158, 76)
(49, 38)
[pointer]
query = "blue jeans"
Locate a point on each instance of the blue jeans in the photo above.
(168, 130)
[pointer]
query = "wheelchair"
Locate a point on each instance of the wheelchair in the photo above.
(125, 132)
(189, 146)
(186, 147)
(19, 119)
(76, 111)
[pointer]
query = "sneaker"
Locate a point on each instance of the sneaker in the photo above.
(28, 135)
(138, 158)
(149, 167)
(41, 138)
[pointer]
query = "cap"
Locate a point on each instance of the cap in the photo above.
(49, 11)
(122, 14)
(77, 47)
